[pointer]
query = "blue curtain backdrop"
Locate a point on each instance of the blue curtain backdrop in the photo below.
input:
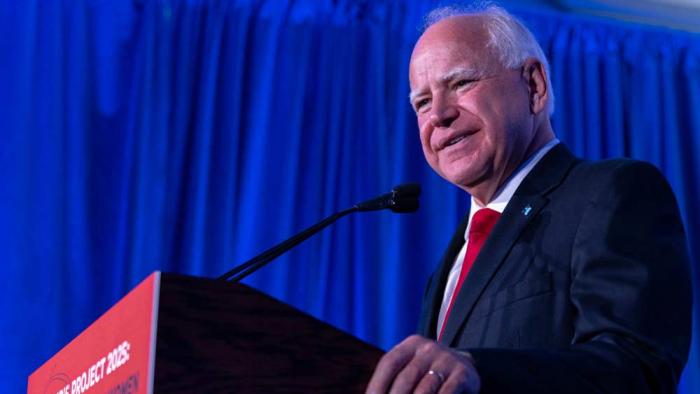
(189, 135)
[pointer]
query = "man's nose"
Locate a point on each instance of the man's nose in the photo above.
(443, 113)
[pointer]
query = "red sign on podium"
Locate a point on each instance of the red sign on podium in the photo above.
(115, 354)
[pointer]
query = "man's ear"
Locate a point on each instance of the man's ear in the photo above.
(535, 76)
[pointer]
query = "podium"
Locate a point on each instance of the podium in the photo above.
(176, 333)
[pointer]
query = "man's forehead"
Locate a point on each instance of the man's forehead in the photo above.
(452, 50)
(463, 39)
(443, 60)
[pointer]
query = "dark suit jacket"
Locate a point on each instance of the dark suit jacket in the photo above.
(582, 286)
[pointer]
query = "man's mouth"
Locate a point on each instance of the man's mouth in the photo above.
(454, 140)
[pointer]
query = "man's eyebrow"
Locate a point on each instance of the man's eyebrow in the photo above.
(414, 93)
(459, 72)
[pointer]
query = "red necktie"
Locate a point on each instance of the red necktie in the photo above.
(481, 225)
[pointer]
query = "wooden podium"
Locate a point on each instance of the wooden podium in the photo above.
(175, 333)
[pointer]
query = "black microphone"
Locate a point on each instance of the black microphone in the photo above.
(401, 199)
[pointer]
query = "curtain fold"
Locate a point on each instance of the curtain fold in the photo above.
(190, 135)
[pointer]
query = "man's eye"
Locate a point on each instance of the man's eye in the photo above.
(422, 103)
(462, 83)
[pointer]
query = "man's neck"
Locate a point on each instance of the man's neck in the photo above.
(485, 191)
(507, 188)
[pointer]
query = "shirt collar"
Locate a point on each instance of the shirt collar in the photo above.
(506, 191)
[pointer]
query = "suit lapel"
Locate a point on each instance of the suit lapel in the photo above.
(526, 203)
(490, 258)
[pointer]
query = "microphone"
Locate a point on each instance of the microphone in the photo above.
(401, 199)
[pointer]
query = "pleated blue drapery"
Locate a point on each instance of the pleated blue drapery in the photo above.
(188, 136)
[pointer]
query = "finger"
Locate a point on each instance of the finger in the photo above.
(425, 352)
(411, 374)
(461, 379)
(439, 371)
(390, 365)
(430, 383)
(454, 385)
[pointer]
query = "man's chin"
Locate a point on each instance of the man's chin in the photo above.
(468, 181)
(461, 179)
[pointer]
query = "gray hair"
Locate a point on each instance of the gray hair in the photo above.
(511, 40)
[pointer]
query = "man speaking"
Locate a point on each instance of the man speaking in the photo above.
(566, 275)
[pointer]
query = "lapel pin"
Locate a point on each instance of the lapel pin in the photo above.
(527, 209)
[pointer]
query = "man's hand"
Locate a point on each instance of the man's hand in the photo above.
(421, 365)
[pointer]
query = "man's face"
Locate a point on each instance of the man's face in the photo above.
(473, 114)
